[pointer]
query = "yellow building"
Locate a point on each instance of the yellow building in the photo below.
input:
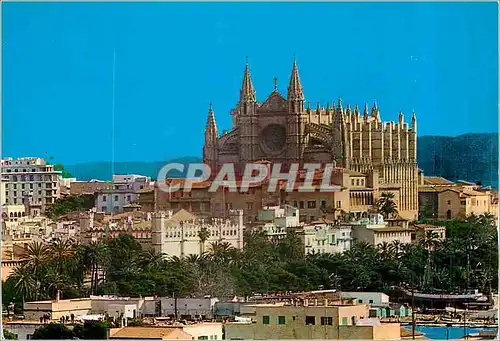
(194, 331)
(443, 199)
(275, 322)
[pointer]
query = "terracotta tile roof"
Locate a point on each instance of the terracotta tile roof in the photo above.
(429, 227)
(322, 221)
(473, 193)
(391, 229)
(161, 333)
(183, 215)
(437, 181)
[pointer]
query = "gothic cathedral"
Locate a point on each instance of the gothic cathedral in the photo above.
(287, 130)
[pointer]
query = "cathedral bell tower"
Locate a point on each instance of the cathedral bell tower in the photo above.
(295, 125)
(247, 121)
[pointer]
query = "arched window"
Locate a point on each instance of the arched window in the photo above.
(448, 214)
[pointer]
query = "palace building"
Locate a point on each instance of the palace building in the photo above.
(287, 130)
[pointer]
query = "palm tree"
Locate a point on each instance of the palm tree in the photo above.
(62, 252)
(430, 240)
(37, 257)
(385, 205)
(203, 234)
(24, 282)
(93, 260)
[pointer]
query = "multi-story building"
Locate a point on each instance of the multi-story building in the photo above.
(282, 130)
(123, 192)
(324, 236)
(313, 319)
(443, 199)
(31, 180)
(89, 187)
(374, 230)
(3, 190)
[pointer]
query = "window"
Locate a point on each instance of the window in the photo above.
(249, 205)
(352, 182)
(326, 321)
(103, 198)
(203, 337)
(301, 204)
(357, 182)
(116, 208)
(449, 202)
(295, 204)
(344, 321)
(311, 320)
(281, 319)
(31, 186)
(15, 186)
(339, 204)
(265, 319)
(311, 204)
(39, 185)
(370, 301)
(360, 301)
(128, 197)
(116, 197)
(22, 186)
(323, 203)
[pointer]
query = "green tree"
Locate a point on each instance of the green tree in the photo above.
(52, 331)
(385, 205)
(203, 234)
(8, 335)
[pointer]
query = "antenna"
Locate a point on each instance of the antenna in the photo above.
(113, 119)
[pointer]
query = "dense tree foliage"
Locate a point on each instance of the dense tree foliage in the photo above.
(120, 266)
(71, 203)
(9, 336)
(90, 330)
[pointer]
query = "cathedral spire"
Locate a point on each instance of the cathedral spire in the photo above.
(211, 126)
(375, 111)
(247, 93)
(295, 88)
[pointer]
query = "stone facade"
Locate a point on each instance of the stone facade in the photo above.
(287, 130)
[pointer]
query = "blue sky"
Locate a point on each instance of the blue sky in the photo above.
(173, 59)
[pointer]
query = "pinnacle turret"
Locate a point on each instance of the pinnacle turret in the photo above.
(211, 126)
(295, 88)
(247, 93)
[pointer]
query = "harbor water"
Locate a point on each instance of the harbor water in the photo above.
(439, 333)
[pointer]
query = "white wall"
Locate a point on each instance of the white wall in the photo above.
(371, 298)
(188, 306)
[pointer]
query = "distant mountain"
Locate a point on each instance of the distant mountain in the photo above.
(470, 157)
(102, 170)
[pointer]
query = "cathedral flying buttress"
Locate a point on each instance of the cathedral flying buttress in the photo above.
(287, 130)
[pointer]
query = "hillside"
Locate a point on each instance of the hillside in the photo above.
(102, 170)
(471, 157)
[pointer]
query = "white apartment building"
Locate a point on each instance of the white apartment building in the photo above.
(282, 216)
(323, 236)
(123, 192)
(374, 230)
(30, 180)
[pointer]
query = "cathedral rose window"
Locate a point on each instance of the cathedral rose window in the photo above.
(274, 137)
